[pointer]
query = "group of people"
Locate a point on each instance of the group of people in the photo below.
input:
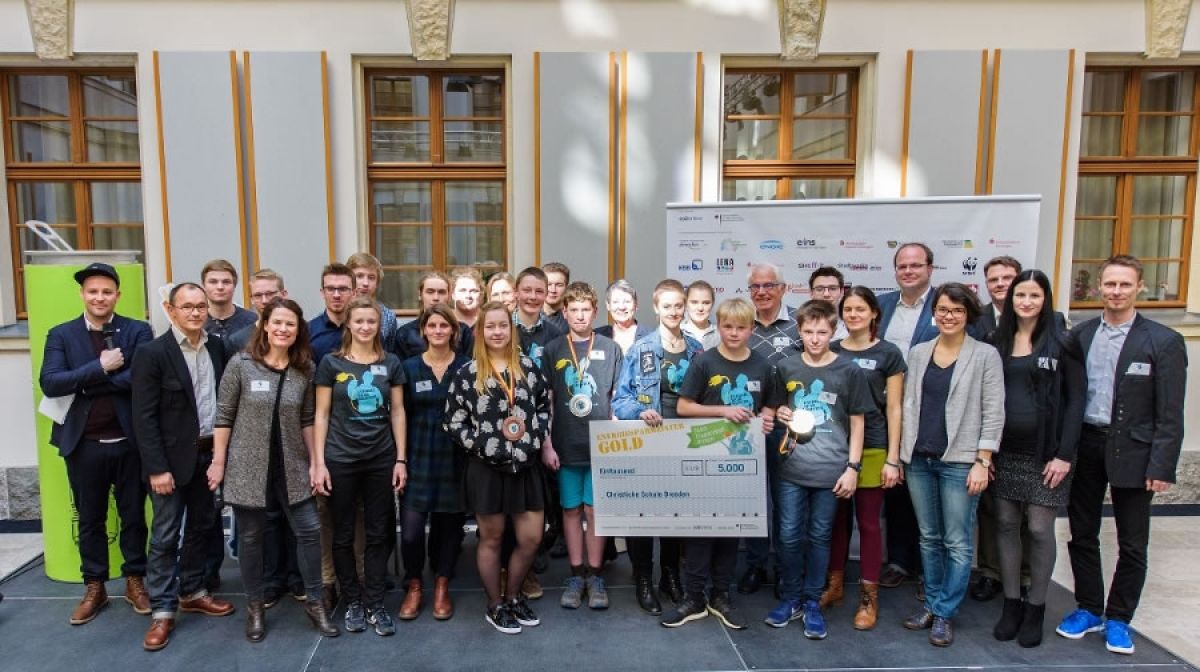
(919, 408)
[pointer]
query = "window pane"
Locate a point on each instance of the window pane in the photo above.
(50, 202)
(468, 245)
(1159, 194)
(31, 242)
(474, 141)
(110, 96)
(804, 189)
(1093, 238)
(751, 139)
(474, 202)
(821, 93)
(1164, 136)
(113, 141)
(399, 141)
(116, 202)
(1100, 136)
(748, 190)
(118, 238)
(820, 139)
(398, 289)
(1156, 238)
(36, 141)
(1104, 91)
(1096, 196)
(404, 245)
(402, 202)
(38, 96)
(1167, 91)
(472, 96)
(1162, 282)
(1083, 282)
(752, 93)
(400, 96)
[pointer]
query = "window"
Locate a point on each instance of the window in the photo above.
(789, 134)
(1137, 179)
(72, 160)
(437, 174)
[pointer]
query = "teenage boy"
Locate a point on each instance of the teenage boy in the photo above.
(434, 288)
(736, 383)
(368, 273)
(582, 368)
(558, 276)
(467, 291)
(265, 286)
(815, 473)
(219, 279)
(699, 309)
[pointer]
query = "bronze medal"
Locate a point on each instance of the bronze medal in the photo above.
(513, 428)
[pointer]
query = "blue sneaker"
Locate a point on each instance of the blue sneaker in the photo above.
(785, 613)
(1117, 638)
(1079, 623)
(814, 621)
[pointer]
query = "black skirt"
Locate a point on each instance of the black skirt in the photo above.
(488, 491)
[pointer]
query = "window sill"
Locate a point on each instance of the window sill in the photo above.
(15, 337)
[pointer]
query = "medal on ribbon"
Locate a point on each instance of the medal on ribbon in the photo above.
(512, 427)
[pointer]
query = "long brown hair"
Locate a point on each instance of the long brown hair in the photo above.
(445, 312)
(300, 355)
(483, 358)
(362, 303)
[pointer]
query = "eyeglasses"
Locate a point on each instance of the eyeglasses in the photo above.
(947, 312)
(337, 290)
(910, 267)
(264, 296)
(192, 308)
(764, 286)
(827, 289)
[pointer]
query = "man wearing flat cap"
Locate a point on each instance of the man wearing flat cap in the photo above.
(88, 359)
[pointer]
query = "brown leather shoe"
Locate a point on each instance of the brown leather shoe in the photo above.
(443, 607)
(411, 607)
(95, 598)
(159, 634)
(531, 588)
(136, 595)
(834, 591)
(207, 605)
(868, 607)
(256, 621)
(320, 619)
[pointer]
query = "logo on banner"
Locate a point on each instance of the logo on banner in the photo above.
(797, 288)
(808, 264)
(969, 264)
(694, 265)
(692, 244)
(771, 245)
(893, 243)
(725, 264)
(732, 245)
(691, 218)
(960, 244)
(859, 267)
(807, 244)
(1003, 244)
(855, 244)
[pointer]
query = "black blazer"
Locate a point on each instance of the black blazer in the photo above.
(70, 366)
(164, 406)
(1146, 428)
(1059, 391)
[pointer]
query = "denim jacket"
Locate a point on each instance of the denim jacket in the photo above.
(638, 386)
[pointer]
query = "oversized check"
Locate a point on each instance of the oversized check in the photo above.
(699, 477)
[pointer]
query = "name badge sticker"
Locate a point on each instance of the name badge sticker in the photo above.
(828, 398)
(868, 364)
(596, 355)
(1048, 363)
(1138, 369)
(378, 370)
(781, 341)
(933, 321)
(753, 386)
(260, 386)
(424, 385)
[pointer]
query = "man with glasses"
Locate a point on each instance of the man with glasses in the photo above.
(906, 320)
(325, 330)
(175, 380)
(828, 284)
(265, 286)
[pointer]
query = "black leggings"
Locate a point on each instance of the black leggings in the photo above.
(445, 542)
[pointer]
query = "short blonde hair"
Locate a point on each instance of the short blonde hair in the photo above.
(365, 260)
(736, 310)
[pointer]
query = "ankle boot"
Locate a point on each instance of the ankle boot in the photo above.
(646, 598)
(256, 621)
(835, 591)
(320, 619)
(411, 607)
(670, 585)
(1010, 620)
(443, 607)
(1030, 634)
(868, 607)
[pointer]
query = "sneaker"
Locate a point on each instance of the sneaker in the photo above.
(356, 617)
(1079, 623)
(722, 607)
(503, 620)
(785, 613)
(1117, 638)
(572, 597)
(597, 593)
(689, 609)
(814, 621)
(382, 620)
(521, 611)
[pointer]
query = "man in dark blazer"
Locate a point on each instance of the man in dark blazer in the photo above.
(998, 273)
(175, 380)
(1129, 446)
(906, 320)
(89, 357)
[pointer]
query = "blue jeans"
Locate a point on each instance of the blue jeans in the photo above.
(758, 549)
(805, 518)
(173, 572)
(946, 516)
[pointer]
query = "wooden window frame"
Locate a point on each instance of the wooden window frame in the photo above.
(783, 171)
(437, 171)
(1129, 165)
(78, 172)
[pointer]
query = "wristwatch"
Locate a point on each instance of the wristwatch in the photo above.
(857, 466)
(987, 464)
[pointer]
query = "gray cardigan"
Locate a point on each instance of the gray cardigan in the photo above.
(245, 402)
(974, 409)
